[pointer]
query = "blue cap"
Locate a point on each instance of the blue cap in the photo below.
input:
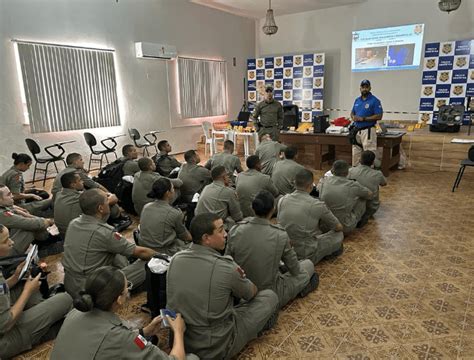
(365, 83)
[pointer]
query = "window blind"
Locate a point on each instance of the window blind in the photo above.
(202, 87)
(68, 88)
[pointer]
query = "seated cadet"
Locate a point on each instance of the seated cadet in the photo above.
(215, 328)
(284, 171)
(250, 182)
(130, 155)
(94, 330)
(226, 159)
(35, 201)
(23, 326)
(161, 225)
(371, 179)
(345, 198)
(91, 243)
(143, 182)
(165, 163)
(66, 204)
(269, 153)
(220, 199)
(193, 176)
(258, 246)
(24, 227)
(303, 217)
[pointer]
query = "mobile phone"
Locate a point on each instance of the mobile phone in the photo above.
(164, 313)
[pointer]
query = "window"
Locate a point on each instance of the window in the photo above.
(202, 87)
(68, 88)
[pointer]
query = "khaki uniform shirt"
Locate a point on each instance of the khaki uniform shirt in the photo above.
(221, 200)
(88, 182)
(229, 161)
(269, 152)
(130, 167)
(165, 163)
(90, 243)
(194, 178)
(301, 215)
(340, 195)
(5, 314)
(371, 179)
(248, 184)
(66, 208)
(98, 334)
(258, 246)
(162, 228)
(200, 286)
(283, 175)
(270, 113)
(12, 220)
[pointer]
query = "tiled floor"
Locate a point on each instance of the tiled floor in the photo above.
(403, 289)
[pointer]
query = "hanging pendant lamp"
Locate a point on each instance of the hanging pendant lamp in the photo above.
(270, 26)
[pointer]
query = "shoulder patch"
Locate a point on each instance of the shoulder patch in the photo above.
(8, 213)
(241, 272)
(117, 236)
(141, 342)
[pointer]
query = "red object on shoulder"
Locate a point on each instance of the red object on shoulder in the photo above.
(341, 121)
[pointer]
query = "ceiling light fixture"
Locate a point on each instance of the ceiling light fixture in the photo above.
(270, 26)
(449, 5)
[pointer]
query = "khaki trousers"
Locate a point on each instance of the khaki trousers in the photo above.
(367, 144)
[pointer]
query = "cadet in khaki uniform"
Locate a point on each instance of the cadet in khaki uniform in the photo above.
(220, 199)
(130, 155)
(284, 171)
(258, 246)
(250, 182)
(91, 243)
(269, 153)
(164, 162)
(66, 205)
(24, 227)
(345, 198)
(22, 327)
(95, 331)
(226, 159)
(303, 216)
(215, 328)
(143, 183)
(270, 112)
(161, 225)
(370, 178)
(193, 176)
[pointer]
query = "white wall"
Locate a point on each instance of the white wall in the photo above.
(195, 30)
(330, 31)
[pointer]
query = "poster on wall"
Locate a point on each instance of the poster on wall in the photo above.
(296, 79)
(448, 77)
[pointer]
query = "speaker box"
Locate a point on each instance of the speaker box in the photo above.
(320, 123)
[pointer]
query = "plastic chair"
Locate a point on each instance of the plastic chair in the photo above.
(150, 140)
(91, 142)
(210, 138)
(52, 158)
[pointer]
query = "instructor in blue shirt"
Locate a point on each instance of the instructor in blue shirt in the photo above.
(367, 110)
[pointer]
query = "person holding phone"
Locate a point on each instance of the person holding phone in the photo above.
(93, 330)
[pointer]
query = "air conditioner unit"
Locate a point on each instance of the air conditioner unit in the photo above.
(146, 50)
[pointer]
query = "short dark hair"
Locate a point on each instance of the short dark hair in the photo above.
(252, 161)
(162, 144)
(228, 144)
(303, 178)
(202, 224)
(290, 152)
(144, 163)
(263, 203)
(159, 189)
(90, 200)
(126, 149)
(21, 158)
(340, 168)
(189, 155)
(68, 178)
(217, 172)
(72, 157)
(103, 286)
(367, 157)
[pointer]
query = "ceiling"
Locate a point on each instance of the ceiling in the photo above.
(256, 9)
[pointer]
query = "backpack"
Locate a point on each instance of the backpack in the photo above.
(124, 194)
(110, 175)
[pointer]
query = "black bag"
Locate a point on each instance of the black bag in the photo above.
(155, 285)
(470, 153)
(124, 194)
(110, 175)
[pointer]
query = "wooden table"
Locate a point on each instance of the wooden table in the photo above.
(389, 143)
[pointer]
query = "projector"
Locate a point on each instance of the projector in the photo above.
(449, 5)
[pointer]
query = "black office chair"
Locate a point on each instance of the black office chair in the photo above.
(466, 162)
(91, 142)
(150, 140)
(52, 158)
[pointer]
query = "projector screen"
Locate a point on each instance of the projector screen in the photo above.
(392, 48)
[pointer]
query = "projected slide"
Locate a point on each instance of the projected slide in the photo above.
(393, 48)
